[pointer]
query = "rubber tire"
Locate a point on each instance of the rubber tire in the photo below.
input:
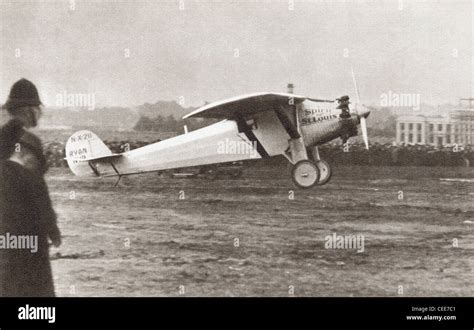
(297, 165)
(323, 181)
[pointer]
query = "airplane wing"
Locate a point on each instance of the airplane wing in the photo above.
(245, 105)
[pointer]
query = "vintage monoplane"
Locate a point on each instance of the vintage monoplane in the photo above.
(266, 124)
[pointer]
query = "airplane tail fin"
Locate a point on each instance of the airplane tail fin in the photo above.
(83, 149)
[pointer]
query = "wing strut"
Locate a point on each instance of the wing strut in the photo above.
(247, 130)
(286, 120)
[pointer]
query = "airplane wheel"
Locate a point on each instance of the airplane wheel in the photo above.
(305, 174)
(324, 171)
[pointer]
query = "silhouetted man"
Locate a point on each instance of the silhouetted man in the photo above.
(24, 104)
(25, 207)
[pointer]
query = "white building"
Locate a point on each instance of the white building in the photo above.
(457, 128)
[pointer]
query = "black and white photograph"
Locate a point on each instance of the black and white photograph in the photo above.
(237, 149)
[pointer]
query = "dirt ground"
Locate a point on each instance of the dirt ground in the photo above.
(154, 236)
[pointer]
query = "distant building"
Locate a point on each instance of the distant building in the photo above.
(457, 128)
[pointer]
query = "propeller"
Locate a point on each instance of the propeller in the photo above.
(362, 112)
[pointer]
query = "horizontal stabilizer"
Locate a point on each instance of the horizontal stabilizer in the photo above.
(91, 159)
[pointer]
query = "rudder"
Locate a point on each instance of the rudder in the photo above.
(82, 146)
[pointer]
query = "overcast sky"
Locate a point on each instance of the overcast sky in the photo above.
(216, 49)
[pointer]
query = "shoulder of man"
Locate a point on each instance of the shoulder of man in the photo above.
(10, 134)
(32, 141)
(34, 144)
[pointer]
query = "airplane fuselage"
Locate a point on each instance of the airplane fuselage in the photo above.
(264, 136)
(223, 142)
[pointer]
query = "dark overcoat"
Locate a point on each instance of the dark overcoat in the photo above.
(25, 210)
